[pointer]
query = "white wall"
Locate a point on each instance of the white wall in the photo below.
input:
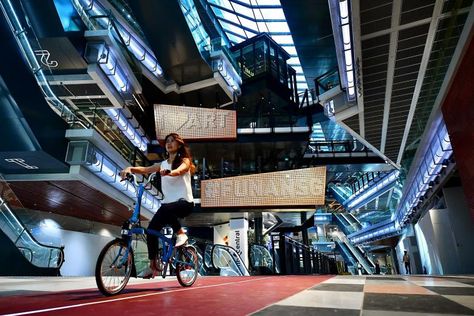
(239, 238)
(407, 243)
(446, 236)
(462, 228)
(221, 234)
(433, 234)
(81, 251)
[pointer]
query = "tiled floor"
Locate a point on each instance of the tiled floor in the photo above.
(256, 295)
(381, 296)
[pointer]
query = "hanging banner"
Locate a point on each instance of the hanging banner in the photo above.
(194, 123)
(301, 187)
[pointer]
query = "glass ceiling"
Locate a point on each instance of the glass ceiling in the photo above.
(243, 19)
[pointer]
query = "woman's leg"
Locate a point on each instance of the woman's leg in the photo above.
(181, 210)
(156, 223)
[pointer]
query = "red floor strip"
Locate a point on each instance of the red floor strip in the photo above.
(216, 295)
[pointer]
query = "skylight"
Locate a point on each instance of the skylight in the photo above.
(243, 19)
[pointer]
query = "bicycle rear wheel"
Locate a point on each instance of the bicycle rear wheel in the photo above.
(112, 270)
(188, 265)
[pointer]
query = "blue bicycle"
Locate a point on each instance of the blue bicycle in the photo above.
(116, 262)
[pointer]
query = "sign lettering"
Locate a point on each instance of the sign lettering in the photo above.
(195, 123)
(302, 187)
(21, 162)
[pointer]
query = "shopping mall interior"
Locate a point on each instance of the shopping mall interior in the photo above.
(332, 142)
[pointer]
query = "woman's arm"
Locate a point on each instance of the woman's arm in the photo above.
(183, 168)
(141, 170)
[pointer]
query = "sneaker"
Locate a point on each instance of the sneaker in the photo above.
(181, 239)
(148, 273)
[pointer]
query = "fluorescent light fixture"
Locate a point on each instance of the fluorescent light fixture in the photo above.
(104, 168)
(115, 73)
(341, 24)
(377, 231)
(143, 54)
(436, 152)
(127, 128)
(367, 194)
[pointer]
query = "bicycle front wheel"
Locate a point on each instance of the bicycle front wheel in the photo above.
(188, 265)
(113, 270)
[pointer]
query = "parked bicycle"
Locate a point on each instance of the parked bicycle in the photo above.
(116, 263)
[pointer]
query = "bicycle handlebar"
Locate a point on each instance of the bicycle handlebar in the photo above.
(134, 179)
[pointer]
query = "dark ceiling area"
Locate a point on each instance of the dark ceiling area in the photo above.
(311, 29)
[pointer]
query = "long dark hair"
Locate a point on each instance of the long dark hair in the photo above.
(183, 152)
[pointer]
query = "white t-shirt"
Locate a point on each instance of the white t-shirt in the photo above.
(176, 188)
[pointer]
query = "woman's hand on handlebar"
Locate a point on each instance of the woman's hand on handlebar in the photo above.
(125, 172)
(164, 172)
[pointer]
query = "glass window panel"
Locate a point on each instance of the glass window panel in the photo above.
(233, 28)
(243, 10)
(223, 3)
(247, 62)
(298, 69)
(290, 50)
(262, 27)
(283, 39)
(271, 14)
(267, 2)
(293, 61)
(282, 65)
(258, 14)
(234, 38)
(260, 57)
(278, 27)
(249, 24)
(229, 16)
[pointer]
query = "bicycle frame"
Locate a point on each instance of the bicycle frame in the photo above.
(133, 229)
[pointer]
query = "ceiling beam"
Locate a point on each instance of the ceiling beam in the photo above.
(421, 74)
(367, 144)
(410, 25)
(392, 58)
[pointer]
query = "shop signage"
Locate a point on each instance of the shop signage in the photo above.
(301, 187)
(194, 123)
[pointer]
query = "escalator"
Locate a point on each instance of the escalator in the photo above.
(21, 253)
(348, 257)
(261, 261)
(358, 256)
(228, 261)
(352, 220)
(343, 224)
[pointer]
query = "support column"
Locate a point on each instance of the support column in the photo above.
(238, 238)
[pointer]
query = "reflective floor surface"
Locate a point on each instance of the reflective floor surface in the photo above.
(256, 295)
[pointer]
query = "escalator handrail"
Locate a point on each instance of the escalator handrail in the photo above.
(262, 249)
(240, 265)
(6, 208)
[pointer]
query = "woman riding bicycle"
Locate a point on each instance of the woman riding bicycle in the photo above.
(177, 200)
